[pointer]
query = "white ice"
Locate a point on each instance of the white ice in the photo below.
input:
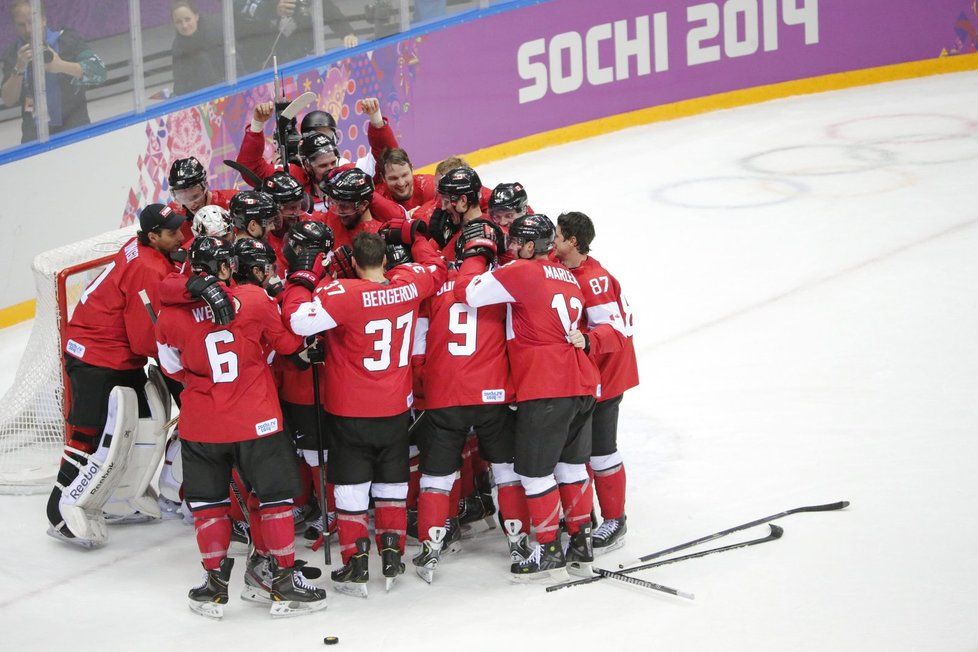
(803, 278)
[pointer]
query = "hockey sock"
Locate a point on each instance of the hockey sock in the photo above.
(609, 483)
(213, 530)
(576, 495)
(352, 501)
(390, 510)
(308, 478)
(510, 495)
(278, 532)
(255, 525)
(543, 501)
(434, 503)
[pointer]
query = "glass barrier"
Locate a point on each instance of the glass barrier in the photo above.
(121, 56)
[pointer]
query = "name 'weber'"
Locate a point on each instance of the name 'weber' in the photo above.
(389, 296)
(559, 274)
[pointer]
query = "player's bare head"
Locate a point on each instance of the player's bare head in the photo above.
(449, 163)
(368, 251)
(398, 173)
(577, 229)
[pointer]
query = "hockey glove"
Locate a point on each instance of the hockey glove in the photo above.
(403, 231)
(479, 238)
(274, 286)
(441, 227)
(341, 266)
(309, 269)
(208, 289)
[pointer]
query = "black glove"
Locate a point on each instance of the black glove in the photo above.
(208, 289)
(308, 270)
(479, 238)
(179, 256)
(274, 287)
(441, 227)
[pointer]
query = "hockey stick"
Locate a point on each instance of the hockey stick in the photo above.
(606, 574)
(322, 463)
(776, 532)
(695, 542)
(246, 173)
(148, 304)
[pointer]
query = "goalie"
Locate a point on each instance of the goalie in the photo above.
(116, 416)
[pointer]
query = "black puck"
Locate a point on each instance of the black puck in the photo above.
(331, 640)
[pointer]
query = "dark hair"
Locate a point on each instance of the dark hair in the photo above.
(143, 238)
(189, 4)
(577, 225)
(369, 250)
(395, 156)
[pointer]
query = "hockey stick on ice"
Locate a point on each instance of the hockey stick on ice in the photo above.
(776, 532)
(621, 577)
(695, 542)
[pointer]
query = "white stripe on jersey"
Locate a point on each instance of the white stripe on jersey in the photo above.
(485, 290)
(169, 358)
(607, 313)
(311, 318)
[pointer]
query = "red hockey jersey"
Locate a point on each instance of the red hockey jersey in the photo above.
(229, 394)
(546, 303)
(111, 326)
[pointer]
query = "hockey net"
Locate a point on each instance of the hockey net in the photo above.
(32, 412)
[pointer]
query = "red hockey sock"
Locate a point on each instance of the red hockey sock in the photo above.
(610, 486)
(433, 508)
(308, 477)
(234, 511)
(254, 522)
(513, 505)
(213, 529)
(577, 499)
(545, 514)
(390, 516)
(352, 526)
(454, 497)
(278, 533)
(414, 482)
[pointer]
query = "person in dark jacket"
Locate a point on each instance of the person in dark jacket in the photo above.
(198, 49)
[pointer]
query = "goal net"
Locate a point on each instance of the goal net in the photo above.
(32, 412)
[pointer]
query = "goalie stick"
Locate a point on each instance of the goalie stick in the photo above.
(776, 532)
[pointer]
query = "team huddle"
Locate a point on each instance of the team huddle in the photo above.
(349, 338)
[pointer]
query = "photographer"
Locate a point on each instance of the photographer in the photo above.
(70, 68)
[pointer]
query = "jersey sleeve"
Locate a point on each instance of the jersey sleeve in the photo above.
(312, 316)
(605, 323)
(252, 154)
(478, 287)
(167, 351)
(275, 334)
(383, 209)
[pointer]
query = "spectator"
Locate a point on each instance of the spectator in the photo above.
(198, 49)
(70, 67)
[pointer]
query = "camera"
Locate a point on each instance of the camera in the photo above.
(48, 55)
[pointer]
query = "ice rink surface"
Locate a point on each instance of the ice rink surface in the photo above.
(803, 277)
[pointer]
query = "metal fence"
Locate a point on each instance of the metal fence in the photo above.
(105, 58)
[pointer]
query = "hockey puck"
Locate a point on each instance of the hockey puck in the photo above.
(331, 640)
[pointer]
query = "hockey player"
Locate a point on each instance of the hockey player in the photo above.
(555, 384)
(350, 192)
(289, 197)
(459, 191)
(255, 215)
(614, 353)
(213, 221)
(321, 122)
(109, 338)
(368, 324)
(400, 182)
(507, 202)
(188, 186)
(231, 417)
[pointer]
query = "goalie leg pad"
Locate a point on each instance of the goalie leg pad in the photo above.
(82, 499)
(134, 501)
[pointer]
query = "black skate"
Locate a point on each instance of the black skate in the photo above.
(257, 580)
(412, 523)
(453, 536)
(475, 510)
(352, 578)
(519, 542)
(208, 599)
(240, 538)
(610, 536)
(291, 594)
(545, 562)
(314, 532)
(427, 560)
(390, 557)
(580, 554)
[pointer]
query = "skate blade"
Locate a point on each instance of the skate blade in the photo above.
(389, 583)
(353, 589)
(478, 528)
(130, 519)
(580, 569)
(552, 575)
(87, 544)
(425, 573)
(292, 608)
(256, 595)
(620, 543)
(212, 610)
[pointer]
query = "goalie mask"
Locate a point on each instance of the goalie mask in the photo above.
(212, 221)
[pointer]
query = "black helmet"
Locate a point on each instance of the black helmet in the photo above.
(186, 172)
(306, 236)
(207, 254)
(351, 184)
(252, 205)
(460, 181)
(283, 188)
(397, 254)
(508, 197)
(314, 143)
(251, 253)
(536, 228)
(316, 119)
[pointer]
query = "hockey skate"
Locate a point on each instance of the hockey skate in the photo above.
(474, 511)
(258, 578)
(412, 525)
(208, 599)
(427, 560)
(519, 542)
(579, 554)
(240, 538)
(453, 536)
(610, 536)
(390, 558)
(353, 577)
(545, 562)
(314, 532)
(291, 594)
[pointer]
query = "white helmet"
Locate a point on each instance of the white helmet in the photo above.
(211, 221)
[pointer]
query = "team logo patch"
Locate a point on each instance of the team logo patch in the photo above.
(269, 427)
(75, 349)
(494, 396)
(410, 399)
